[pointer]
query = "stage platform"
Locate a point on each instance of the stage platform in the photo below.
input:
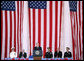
(42, 59)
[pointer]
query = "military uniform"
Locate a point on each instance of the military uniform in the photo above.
(58, 54)
(67, 54)
(22, 55)
(48, 55)
(13, 55)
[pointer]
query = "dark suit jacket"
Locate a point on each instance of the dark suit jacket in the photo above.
(48, 55)
(24, 55)
(58, 54)
(67, 55)
(37, 48)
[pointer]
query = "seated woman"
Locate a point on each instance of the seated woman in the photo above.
(48, 54)
(67, 54)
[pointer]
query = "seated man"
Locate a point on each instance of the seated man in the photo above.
(37, 47)
(22, 54)
(67, 54)
(13, 54)
(48, 54)
(58, 54)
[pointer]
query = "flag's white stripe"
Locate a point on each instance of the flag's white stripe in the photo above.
(36, 26)
(19, 25)
(16, 26)
(58, 24)
(31, 11)
(78, 27)
(22, 25)
(3, 40)
(75, 35)
(75, 31)
(12, 29)
(53, 28)
(72, 20)
(48, 22)
(8, 45)
(42, 28)
(73, 28)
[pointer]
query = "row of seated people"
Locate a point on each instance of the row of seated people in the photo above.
(48, 54)
(58, 54)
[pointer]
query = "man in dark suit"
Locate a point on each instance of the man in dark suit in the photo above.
(37, 47)
(58, 54)
(22, 54)
(67, 54)
(48, 54)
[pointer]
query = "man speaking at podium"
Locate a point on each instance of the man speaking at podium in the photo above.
(37, 53)
(37, 47)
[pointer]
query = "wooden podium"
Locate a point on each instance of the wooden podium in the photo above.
(37, 54)
(37, 58)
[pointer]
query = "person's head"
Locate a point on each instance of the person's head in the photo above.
(20, 50)
(37, 44)
(58, 49)
(48, 49)
(67, 49)
(23, 50)
(13, 49)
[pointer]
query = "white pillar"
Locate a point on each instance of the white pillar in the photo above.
(66, 38)
(26, 40)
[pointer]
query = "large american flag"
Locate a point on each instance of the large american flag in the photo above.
(44, 26)
(11, 27)
(77, 28)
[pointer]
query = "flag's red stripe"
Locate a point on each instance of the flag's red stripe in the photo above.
(18, 26)
(82, 22)
(30, 29)
(79, 28)
(75, 42)
(33, 28)
(15, 30)
(1, 31)
(82, 30)
(39, 26)
(10, 30)
(56, 23)
(45, 28)
(60, 23)
(50, 36)
(6, 34)
(20, 23)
